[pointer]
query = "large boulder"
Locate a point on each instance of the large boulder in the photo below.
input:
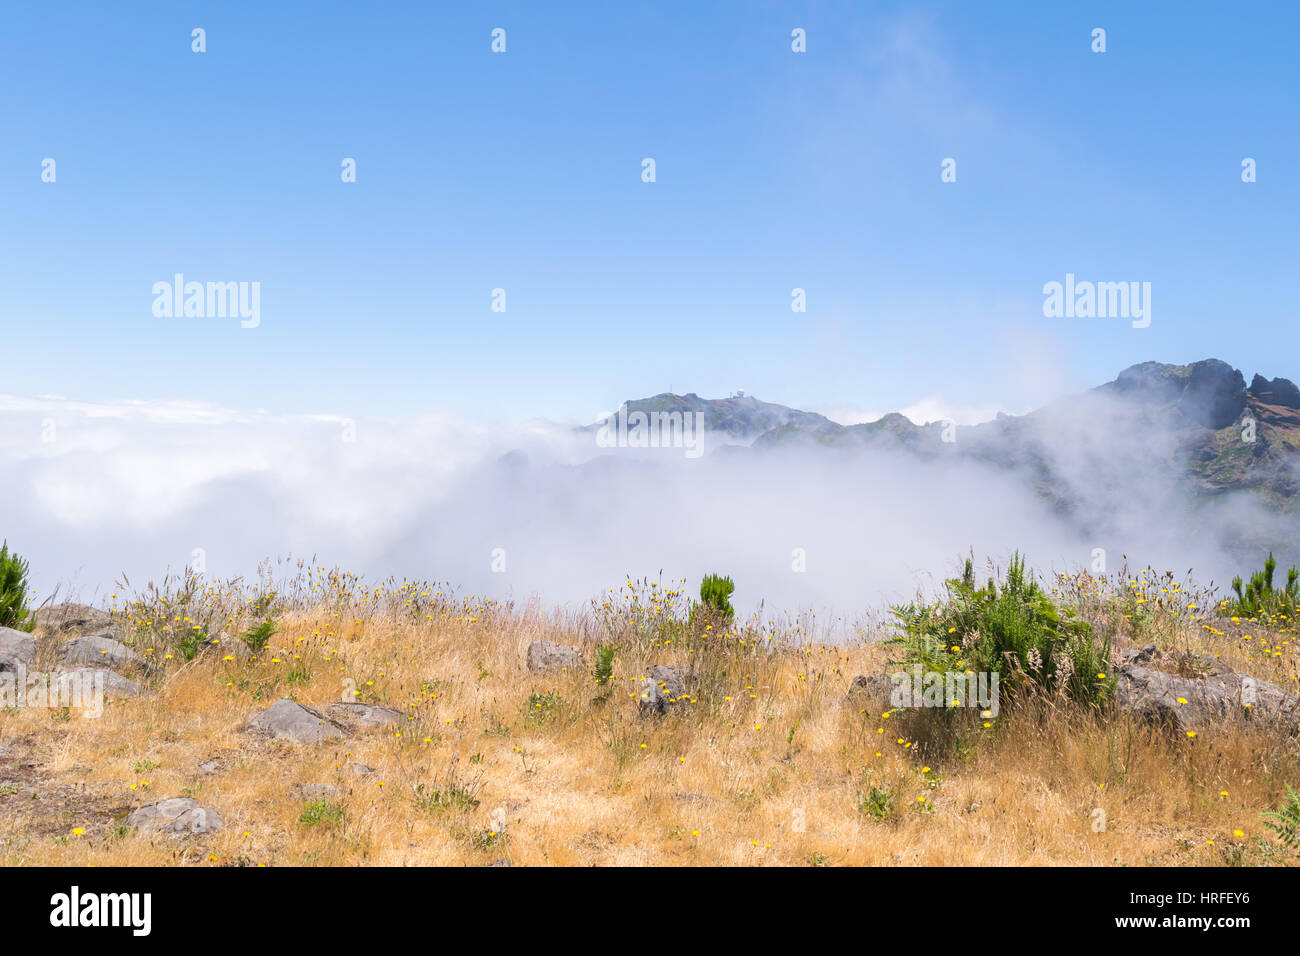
(97, 650)
(286, 720)
(16, 648)
(1193, 703)
(60, 620)
(177, 817)
(547, 657)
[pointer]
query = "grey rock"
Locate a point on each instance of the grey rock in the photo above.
(210, 766)
(366, 716)
(286, 720)
(1277, 391)
(1215, 394)
(97, 650)
(319, 791)
(1149, 656)
(1150, 383)
(1138, 655)
(662, 689)
(548, 657)
(873, 691)
(1154, 695)
(16, 648)
(71, 618)
(177, 816)
(1210, 393)
(84, 682)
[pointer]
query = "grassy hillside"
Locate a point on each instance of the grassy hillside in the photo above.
(763, 759)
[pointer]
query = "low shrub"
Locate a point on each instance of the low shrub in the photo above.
(1258, 598)
(1009, 627)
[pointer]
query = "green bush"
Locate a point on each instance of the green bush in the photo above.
(192, 641)
(13, 591)
(542, 708)
(605, 663)
(715, 591)
(257, 637)
(1259, 598)
(876, 802)
(1011, 628)
(714, 609)
(320, 811)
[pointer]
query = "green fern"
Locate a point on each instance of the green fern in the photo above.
(257, 637)
(1285, 821)
(1012, 627)
(192, 641)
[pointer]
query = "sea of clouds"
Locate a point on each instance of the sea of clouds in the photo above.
(94, 492)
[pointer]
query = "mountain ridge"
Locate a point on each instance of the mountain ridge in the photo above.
(1205, 426)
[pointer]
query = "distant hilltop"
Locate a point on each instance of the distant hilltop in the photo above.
(1200, 424)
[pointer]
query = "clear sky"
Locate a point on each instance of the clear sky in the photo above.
(522, 171)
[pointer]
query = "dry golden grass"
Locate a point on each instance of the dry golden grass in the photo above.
(769, 766)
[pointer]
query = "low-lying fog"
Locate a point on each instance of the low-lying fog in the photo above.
(89, 492)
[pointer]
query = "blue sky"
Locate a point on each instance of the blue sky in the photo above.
(522, 171)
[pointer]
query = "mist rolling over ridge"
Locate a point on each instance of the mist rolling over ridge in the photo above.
(1178, 466)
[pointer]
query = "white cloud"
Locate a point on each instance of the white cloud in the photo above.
(135, 488)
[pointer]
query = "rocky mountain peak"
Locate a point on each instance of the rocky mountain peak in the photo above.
(1276, 391)
(1210, 393)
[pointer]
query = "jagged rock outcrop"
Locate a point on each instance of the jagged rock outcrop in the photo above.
(1210, 394)
(1215, 395)
(1276, 391)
